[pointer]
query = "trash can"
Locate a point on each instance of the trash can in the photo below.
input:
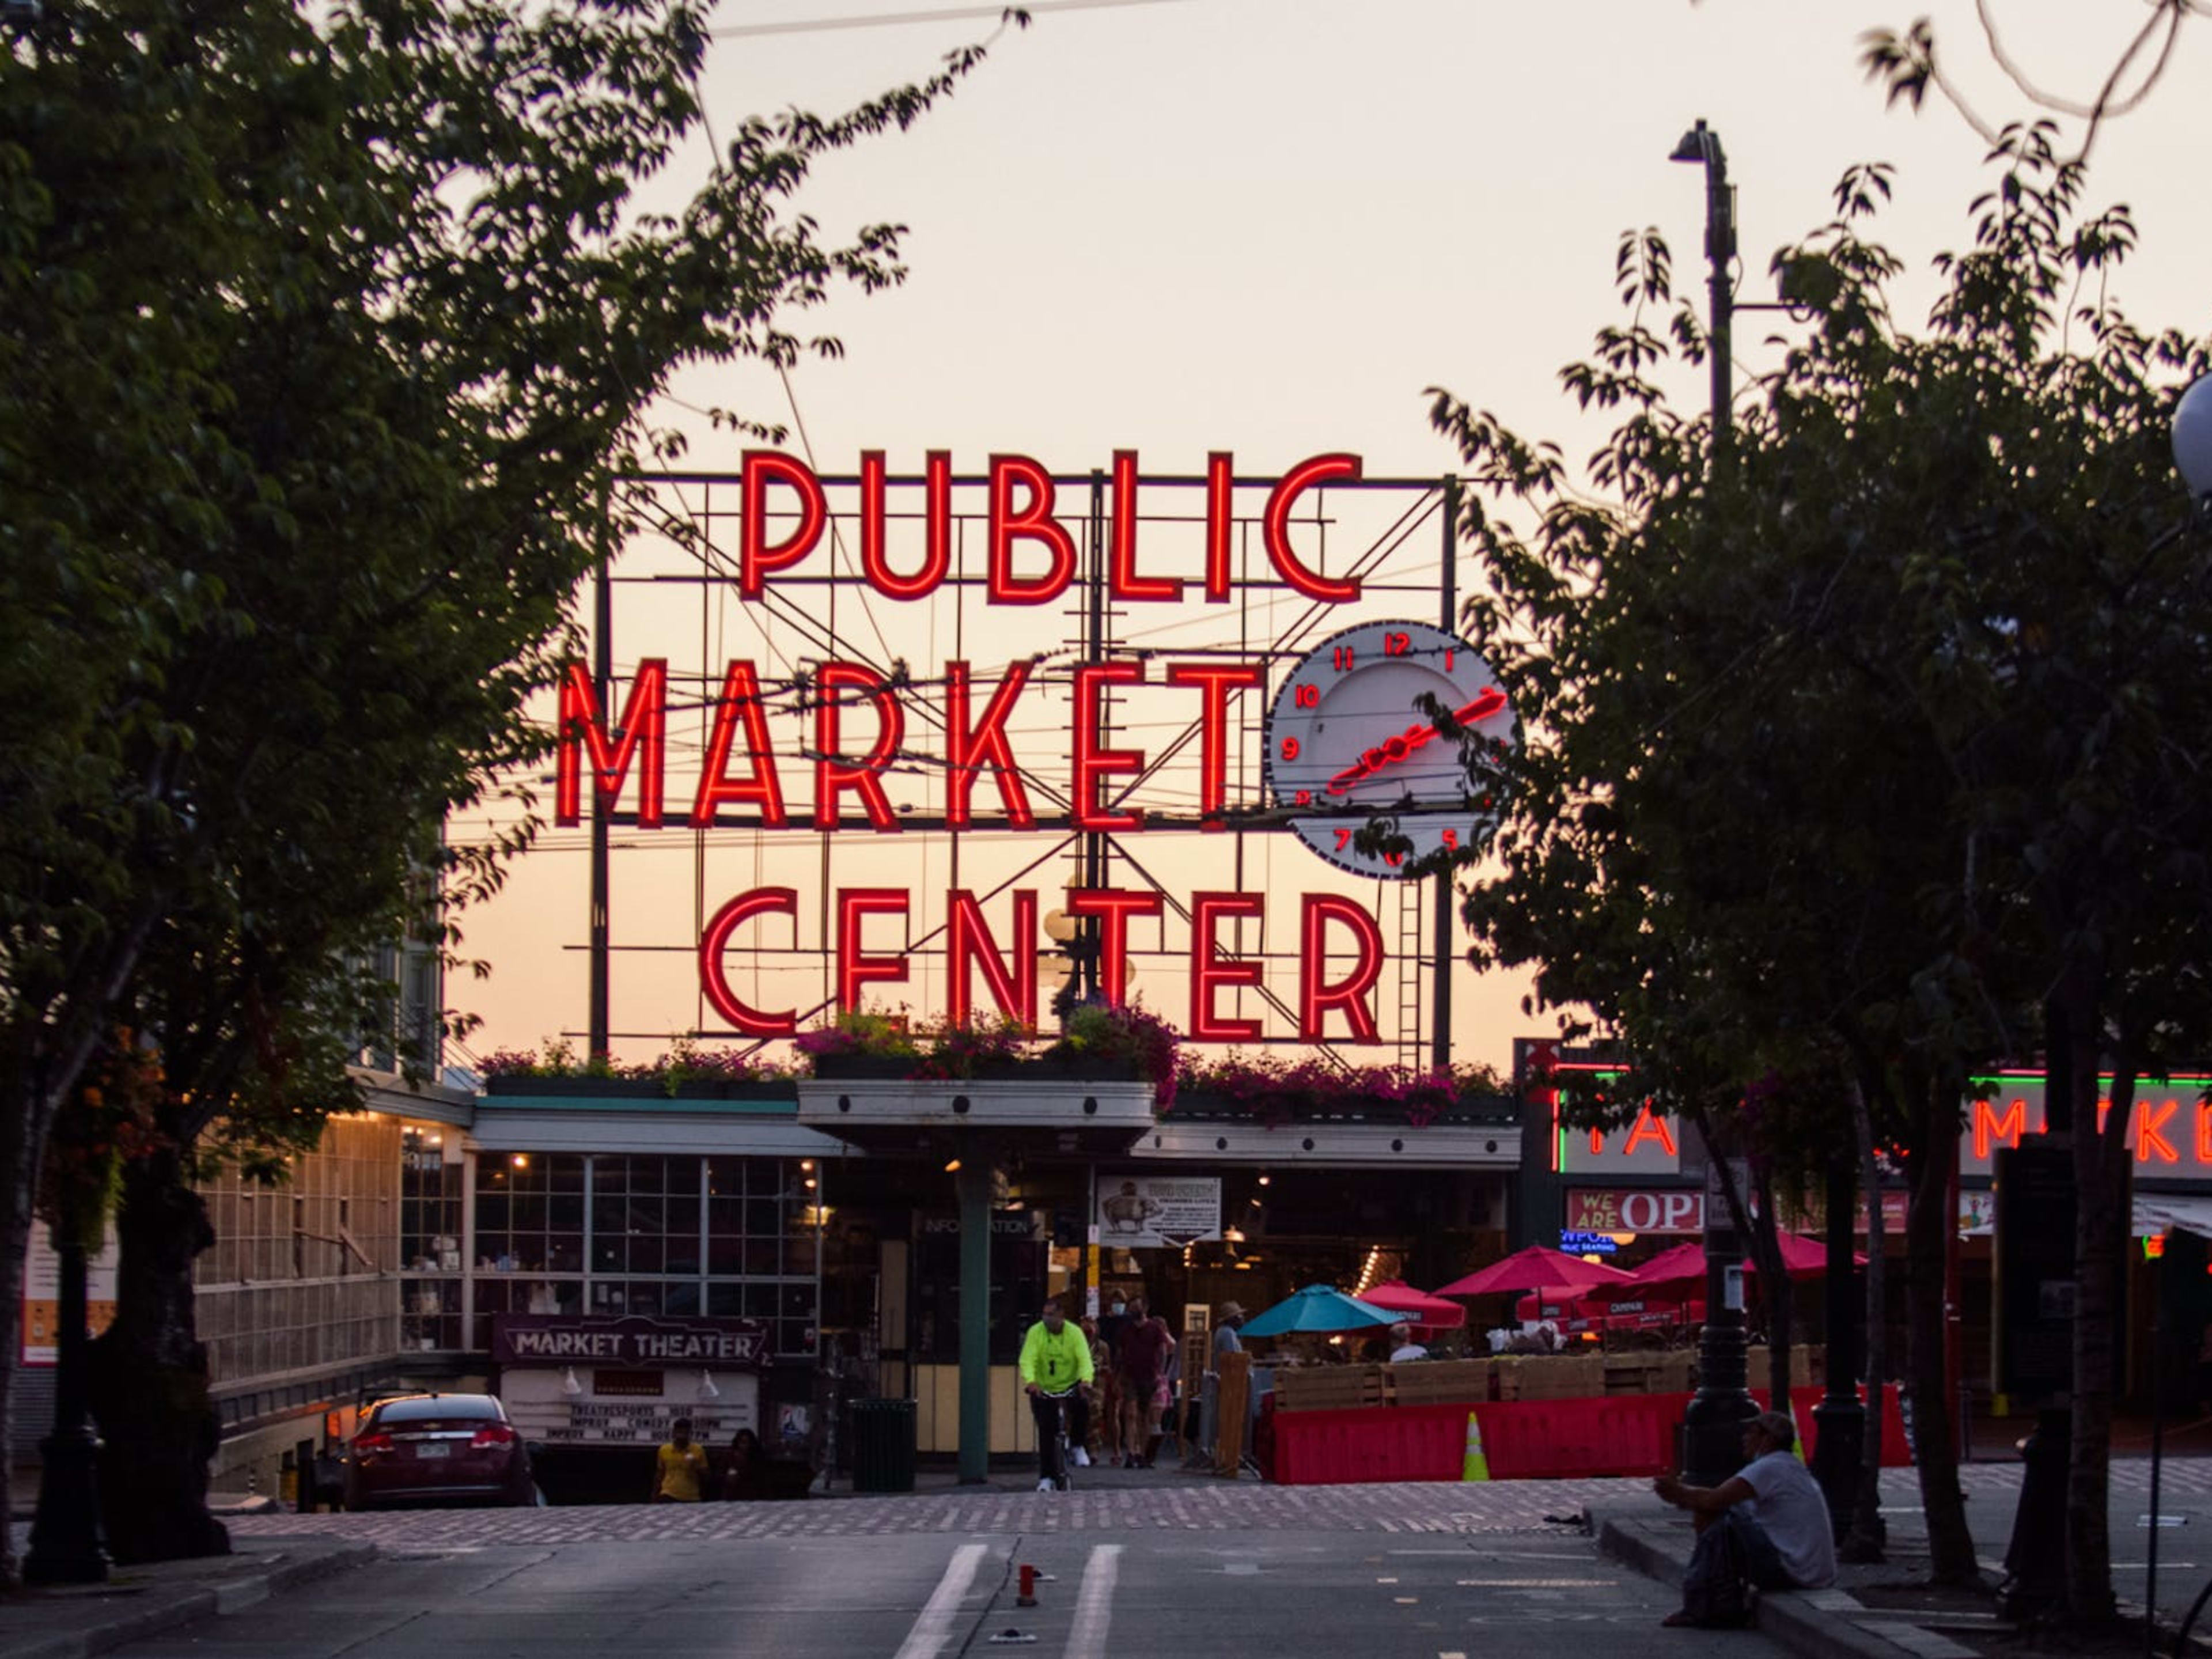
(883, 1445)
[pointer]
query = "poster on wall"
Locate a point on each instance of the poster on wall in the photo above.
(40, 1330)
(1149, 1211)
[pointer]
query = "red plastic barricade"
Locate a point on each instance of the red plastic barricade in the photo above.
(1620, 1434)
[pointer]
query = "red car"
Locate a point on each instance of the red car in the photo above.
(437, 1448)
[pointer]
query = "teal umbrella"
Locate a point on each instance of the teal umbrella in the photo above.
(1320, 1308)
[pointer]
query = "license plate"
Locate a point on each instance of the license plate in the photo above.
(432, 1449)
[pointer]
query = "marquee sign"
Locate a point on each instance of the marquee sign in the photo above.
(1106, 738)
(634, 1339)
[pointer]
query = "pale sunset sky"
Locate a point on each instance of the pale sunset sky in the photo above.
(1263, 227)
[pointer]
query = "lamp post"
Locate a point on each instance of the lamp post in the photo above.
(65, 1534)
(1712, 1426)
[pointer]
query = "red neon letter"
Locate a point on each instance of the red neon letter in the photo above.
(1649, 1127)
(969, 748)
(1033, 522)
(2203, 1132)
(1316, 998)
(1216, 680)
(1122, 581)
(2150, 1122)
(1220, 518)
(740, 702)
(1276, 526)
(644, 734)
(715, 981)
(756, 558)
(1208, 972)
(832, 775)
(1989, 1127)
(1092, 763)
(938, 511)
(855, 969)
(967, 939)
(1113, 906)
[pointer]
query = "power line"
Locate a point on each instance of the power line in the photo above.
(940, 14)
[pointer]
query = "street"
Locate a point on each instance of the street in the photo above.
(1454, 1571)
(917, 1597)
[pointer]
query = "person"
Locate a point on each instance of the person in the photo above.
(679, 1471)
(1164, 1396)
(1402, 1346)
(1139, 1364)
(1101, 1363)
(1766, 1523)
(1225, 1339)
(1055, 1365)
(743, 1474)
(1115, 1320)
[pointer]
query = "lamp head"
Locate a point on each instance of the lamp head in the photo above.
(1698, 145)
(2192, 439)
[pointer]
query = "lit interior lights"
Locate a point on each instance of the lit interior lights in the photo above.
(521, 1160)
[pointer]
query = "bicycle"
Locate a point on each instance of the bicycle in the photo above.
(1061, 1461)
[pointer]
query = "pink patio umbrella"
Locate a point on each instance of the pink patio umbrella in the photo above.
(1802, 1258)
(1535, 1269)
(1422, 1311)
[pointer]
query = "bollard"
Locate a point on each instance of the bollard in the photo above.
(1027, 1597)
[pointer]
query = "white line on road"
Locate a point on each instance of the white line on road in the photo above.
(934, 1623)
(1093, 1604)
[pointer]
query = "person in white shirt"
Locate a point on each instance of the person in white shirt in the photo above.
(1772, 1511)
(1402, 1346)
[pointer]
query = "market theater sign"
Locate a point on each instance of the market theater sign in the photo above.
(632, 1340)
(1031, 560)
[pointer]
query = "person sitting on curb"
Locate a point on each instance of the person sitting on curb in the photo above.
(1768, 1523)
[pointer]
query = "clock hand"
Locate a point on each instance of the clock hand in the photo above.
(1393, 750)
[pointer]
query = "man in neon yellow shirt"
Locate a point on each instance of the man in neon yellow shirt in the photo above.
(1056, 1365)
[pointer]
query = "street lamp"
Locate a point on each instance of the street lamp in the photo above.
(1701, 145)
(1712, 1426)
(2192, 441)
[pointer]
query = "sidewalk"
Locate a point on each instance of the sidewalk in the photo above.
(1828, 1624)
(69, 1622)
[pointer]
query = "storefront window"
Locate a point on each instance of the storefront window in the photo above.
(429, 1204)
(613, 1234)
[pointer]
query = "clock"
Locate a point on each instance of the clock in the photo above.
(1347, 739)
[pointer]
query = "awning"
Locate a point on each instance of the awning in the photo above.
(2159, 1212)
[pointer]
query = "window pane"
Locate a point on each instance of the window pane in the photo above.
(681, 1299)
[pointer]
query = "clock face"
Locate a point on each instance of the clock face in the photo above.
(1348, 738)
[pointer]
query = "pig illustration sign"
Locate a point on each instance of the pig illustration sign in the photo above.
(1146, 1211)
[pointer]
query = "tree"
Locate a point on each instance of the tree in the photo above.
(1799, 723)
(324, 333)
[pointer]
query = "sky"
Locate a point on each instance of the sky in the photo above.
(1270, 227)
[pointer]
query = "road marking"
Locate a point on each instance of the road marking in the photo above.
(1093, 1604)
(933, 1625)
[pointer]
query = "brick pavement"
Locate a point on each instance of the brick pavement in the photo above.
(1497, 1506)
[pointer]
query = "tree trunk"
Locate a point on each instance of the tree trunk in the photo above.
(149, 1378)
(1929, 1216)
(1868, 1531)
(1775, 1294)
(18, 1183)
(2101, 1180)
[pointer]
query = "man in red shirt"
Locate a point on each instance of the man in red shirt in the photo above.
(1145, 1342)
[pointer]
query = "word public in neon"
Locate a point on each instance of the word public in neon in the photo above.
(1030, 556)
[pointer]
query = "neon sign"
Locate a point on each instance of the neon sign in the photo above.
(801, 731)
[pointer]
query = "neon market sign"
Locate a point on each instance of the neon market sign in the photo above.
(1343, 740)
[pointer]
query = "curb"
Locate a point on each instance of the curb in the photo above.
(1817, 1629)
(183, 1606)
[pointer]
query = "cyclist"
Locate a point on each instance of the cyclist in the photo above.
(1056, 1365)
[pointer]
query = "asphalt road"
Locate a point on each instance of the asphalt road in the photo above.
(1161, 1595)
